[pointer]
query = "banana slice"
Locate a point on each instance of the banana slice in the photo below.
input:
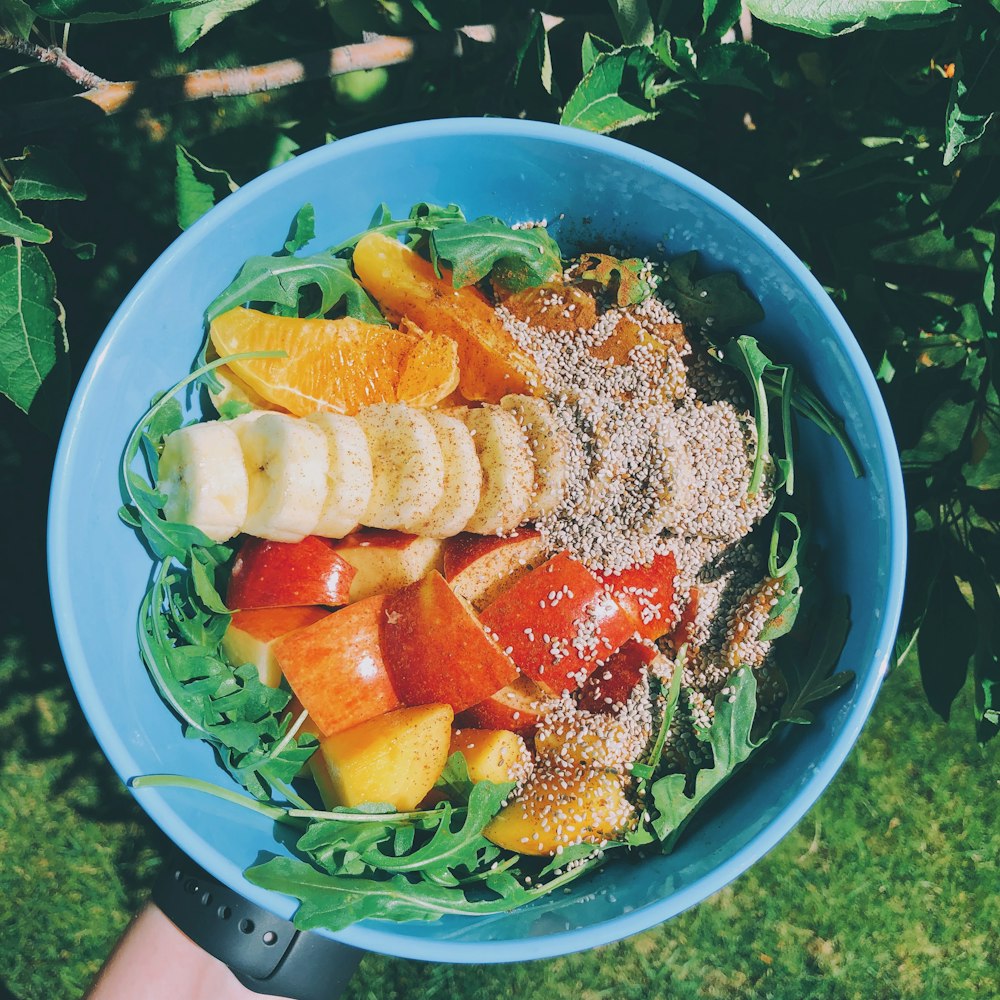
(201, 473)
(549, 451)
(286, 462)
(462, 479)
(508, 473)
(349, 479)
(407, 463)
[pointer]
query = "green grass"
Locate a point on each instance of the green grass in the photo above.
(889, 888)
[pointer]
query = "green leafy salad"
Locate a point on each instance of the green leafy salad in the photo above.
(675, 433)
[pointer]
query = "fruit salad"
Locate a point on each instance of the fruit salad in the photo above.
(473, 568)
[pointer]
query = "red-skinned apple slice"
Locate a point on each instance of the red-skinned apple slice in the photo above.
(437, 650)
(335, 667)
(559, 623)
(251, 636)
(288, 574)
(385, 561)
(646, 594)
(481, 567)
(517, 707)
(613, 683)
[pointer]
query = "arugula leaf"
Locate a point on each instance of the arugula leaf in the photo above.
(423, 219)
(302, 230)
(808, 675)
(731, 744)
(744, 354)
(454, 780)
(621, 277)
(282, 280)
(718, 301)
(519, 258)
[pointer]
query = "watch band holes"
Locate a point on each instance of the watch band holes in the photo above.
(206, 898)
(191, 885)
(224, 912)
(246, 925)
(270, 937)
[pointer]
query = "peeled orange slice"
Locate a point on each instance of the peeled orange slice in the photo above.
(336, 366)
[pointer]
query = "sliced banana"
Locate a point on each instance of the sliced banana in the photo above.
(349, 478)
(201, 473)
(507, 469)
(286, 462)
(408, 466)
(462, 479)
(549, 451)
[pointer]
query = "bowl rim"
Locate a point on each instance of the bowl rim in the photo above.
(379, 936)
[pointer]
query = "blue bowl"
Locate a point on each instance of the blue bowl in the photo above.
(519, 171)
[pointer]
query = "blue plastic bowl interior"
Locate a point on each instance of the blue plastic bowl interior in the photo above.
(519, 171)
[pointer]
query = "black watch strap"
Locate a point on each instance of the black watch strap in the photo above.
(266, 954)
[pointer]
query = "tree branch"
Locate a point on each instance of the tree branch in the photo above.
(51, 56)
(107, 98)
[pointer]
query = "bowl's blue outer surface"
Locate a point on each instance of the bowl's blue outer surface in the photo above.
(519, 171)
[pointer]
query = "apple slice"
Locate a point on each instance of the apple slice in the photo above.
(609, 688)
(269, 574)
(251, 636)
(385, 561)
(394, 758)
(437, 650)
(517, 707)
(496, 755)
(559, 623)
(481, 567)
(646, 593)
(335, 667)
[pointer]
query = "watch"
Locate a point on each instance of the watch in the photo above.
(267, 954)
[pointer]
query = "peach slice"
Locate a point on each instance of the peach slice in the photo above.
(437, 650)
(335, 667)
(251, 636)
(495, 755)
(393, 758)
(491, 364)
(560, 808)
(481, 567)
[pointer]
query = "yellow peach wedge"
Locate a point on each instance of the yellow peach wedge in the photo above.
(394, 758)
(495, 755)
(558, 808)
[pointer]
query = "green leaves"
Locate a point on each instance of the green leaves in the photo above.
(613, 93)
(14, 223)
(41, 174)
(284, 281)
(191, 23)
(104, 10)
(731, 744)
(519, 258)
(809, 675)
(718, 301)
(972, 101)
(838, 17)
(32, 331)
(199, 187)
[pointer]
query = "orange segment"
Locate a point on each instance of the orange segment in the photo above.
(338, 365)
(430, 371)
(627, 334)
(404, 284)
